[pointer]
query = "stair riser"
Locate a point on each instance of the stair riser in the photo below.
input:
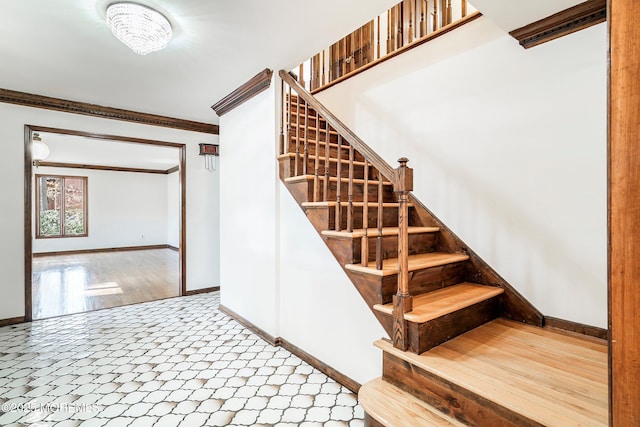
(388, 196)
(426, 280)
(358, 169)
(312, 120)
(333, 152)
(425, 336)
(451, 399)
(324, 218)
(305, 193)
(294, 109)
(418, 243)
(311, 136)
(389, 217)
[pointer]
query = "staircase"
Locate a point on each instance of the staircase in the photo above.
(423, 284)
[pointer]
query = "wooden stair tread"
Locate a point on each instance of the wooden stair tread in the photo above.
(322, 159)
(393, 407)
(438, 303)
(330, 204)
(416, 262)
(549, 377)
(373, 232)
(307, 177)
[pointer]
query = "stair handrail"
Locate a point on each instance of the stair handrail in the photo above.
(366, 151)
(401, 179)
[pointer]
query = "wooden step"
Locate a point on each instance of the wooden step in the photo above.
(390, 406)
(332, 204)
(373, 232)
(322, 159)
(416, 262)
(323, 215)
(439, 303)
(358, 181)
(348, 246)
(287, 165)
(333, 146)
(508, 374)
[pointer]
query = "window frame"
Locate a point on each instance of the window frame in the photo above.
(85, 207)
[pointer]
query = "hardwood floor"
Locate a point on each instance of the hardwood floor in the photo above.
(547, 377)
(64, 284)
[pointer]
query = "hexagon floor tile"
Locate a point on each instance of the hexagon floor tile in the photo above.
(175, 362)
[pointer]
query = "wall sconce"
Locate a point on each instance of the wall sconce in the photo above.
(211, 154)
(39, 150)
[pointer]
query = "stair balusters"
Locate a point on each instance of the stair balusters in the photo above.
(305, 156)
(411, 29)
(350, 191)
(407, 23)
(379, 254)
(364, 245)
(423, 21)
(316, 176)
(327, 152)
(435, 16)
(296, 169)
(401, 179)
(288, 148)
(338, 212)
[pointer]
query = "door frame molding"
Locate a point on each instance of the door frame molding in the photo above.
(28, 202)
(623, 203)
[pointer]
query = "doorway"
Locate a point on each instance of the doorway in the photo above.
(130, 248)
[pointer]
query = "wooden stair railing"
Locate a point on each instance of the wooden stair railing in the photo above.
(405, 25)
(419, 279)
(401, 179)
(461, 353)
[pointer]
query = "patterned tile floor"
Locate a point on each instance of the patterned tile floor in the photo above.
(166, 363)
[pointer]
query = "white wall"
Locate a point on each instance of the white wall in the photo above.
(173, 209)
(203, 220)
(320, 309)
(248, 216)
(508, 148)
(276, 271)
(202, 200)
(124, 209)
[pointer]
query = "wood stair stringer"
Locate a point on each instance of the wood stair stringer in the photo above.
(514, 305)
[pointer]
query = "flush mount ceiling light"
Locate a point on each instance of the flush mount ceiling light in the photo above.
(141, 28)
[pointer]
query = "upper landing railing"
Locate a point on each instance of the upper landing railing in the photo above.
(404, 26)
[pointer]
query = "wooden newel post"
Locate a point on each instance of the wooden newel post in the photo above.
(402, 300)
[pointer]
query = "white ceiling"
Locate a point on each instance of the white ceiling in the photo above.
(63, 48)
(91, 151)
(512, 14)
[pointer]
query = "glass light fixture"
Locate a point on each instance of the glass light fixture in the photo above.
(141, 28)
(39, 150)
